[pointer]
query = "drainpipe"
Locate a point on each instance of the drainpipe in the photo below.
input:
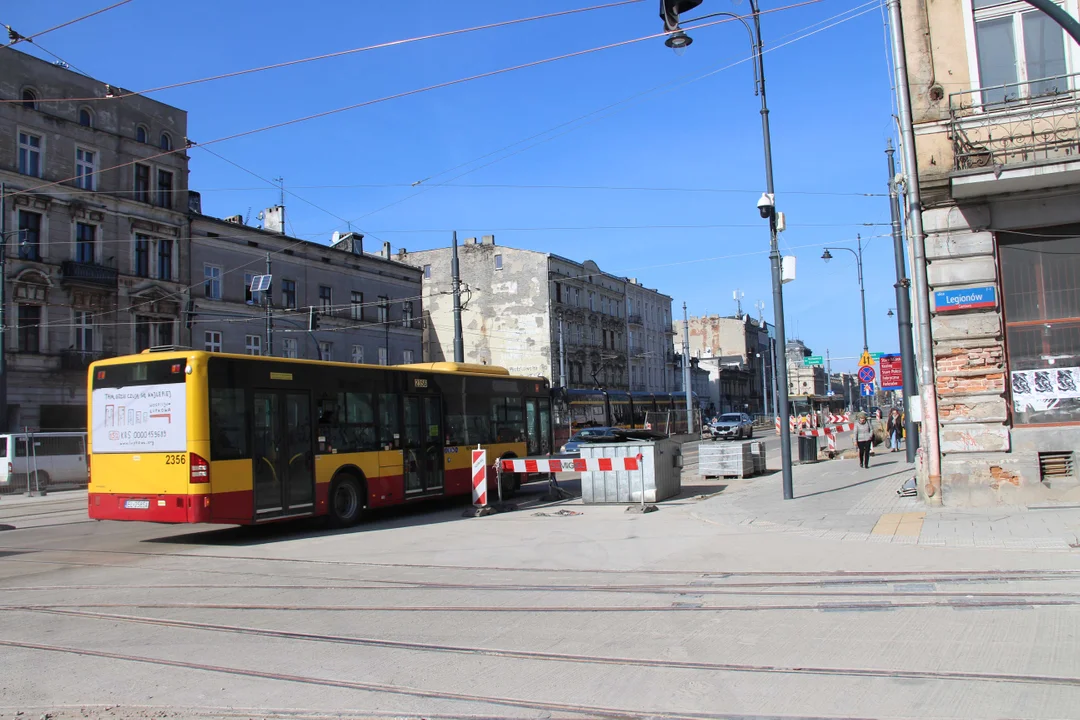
(918, 238)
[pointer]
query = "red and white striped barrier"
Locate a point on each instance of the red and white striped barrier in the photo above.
(479, 478)
(543, 465)
(822, 432)
(835, 419)
(791, 424)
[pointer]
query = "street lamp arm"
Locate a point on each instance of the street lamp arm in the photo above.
(749, 31)
(857, 257)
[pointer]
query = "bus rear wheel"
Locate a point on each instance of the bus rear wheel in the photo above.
(346, 501)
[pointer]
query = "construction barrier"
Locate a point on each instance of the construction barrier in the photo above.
(823, 432)
(479, 477)
(549, 465)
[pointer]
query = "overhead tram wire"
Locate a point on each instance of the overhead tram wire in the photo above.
(615, 108)
(340, 53)
(399, 95)
(31, 38)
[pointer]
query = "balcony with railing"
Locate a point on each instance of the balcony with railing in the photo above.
(1015, 137)
(635, 319)
(88, 274)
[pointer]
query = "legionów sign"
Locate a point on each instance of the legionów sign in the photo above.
(966, 299)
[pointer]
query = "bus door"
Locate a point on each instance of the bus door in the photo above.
(284, 453)
(538, 425)
(423, 446)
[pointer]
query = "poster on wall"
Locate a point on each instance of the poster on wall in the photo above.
(141, 418)
(1035, 390)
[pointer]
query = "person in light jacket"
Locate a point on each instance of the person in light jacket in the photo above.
(864, 438)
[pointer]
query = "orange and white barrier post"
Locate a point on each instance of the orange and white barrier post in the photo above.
(479, 477)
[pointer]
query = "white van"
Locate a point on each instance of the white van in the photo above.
(56, 458)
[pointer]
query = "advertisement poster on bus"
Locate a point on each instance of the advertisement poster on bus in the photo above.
(141, 418)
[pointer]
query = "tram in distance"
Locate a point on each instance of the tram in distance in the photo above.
(199, 437)
(617, 408)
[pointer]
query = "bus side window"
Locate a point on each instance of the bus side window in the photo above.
(389, 425)
(228, 424)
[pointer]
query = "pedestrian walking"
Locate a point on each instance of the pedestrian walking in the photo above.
(864, 438)
(895, 429)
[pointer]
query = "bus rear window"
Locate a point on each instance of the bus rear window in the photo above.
(154, 372)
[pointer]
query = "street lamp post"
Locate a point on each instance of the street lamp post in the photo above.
(827, 256)
(677, 40)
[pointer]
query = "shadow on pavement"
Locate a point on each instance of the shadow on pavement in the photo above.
(419, 512)
(901, 471)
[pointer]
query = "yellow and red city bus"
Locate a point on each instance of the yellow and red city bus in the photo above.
(199, 437)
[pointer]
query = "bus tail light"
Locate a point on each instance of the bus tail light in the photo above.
(200, 469)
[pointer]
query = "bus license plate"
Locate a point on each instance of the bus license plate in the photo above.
(136, 504)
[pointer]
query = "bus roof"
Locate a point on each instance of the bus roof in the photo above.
(436, 367)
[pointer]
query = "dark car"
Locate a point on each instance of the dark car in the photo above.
(731, 426)
(593, 434)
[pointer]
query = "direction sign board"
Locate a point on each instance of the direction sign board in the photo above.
(876, 356)
(812, 361)
(892, 372)
(867, 374)
(966, 299)
(867, 389)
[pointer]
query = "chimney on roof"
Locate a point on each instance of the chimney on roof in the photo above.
(235, 219)
(386, 250)
(487, 239)
(194, 202)
(274, 219)
(470, 241)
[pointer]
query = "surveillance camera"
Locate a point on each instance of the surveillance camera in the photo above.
(766, 205)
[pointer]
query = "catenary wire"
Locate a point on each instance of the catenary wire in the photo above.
(31, 38)
(340, 53)
(396, 96)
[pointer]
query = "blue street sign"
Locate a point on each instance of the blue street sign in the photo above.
(867, 388)
(867, 374)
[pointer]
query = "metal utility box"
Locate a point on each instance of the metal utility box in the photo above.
(808, 447)
(661, 460)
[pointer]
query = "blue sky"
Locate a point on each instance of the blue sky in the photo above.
(829, 97)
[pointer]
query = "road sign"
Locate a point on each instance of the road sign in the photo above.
(867, 389)
(867, 374)
(812, 361)
(876, 356)
(865, 359)
(892, 372)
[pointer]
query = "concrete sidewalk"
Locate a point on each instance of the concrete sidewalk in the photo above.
(837, 499)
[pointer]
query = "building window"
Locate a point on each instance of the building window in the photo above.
(558, 292)
(253, 344)
(165, 333)
(84, 331)
(382, 356)
(1041, 298)
(142, 256)
(142, 183)
(164, 189)
(29, 235)
(357, 354)
(384, 310)
(427, 272)
(326, 299)
(166, 142)
(592, 301)
(326, 350)
(29, 99)
(84, 243)
(212, 281)
(248, 295)
(30, 328)
(212, 341)
(288, 293)
(30, 154)
(85, 118)
(406, 314)
(357, 308)
(1019, 48)
(143, 328)
(141, 134)
(85, 161)
(406, 356)
(498, 262)
(164, 257)
(288, 348)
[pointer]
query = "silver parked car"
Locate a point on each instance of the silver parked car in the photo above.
(731, 426)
